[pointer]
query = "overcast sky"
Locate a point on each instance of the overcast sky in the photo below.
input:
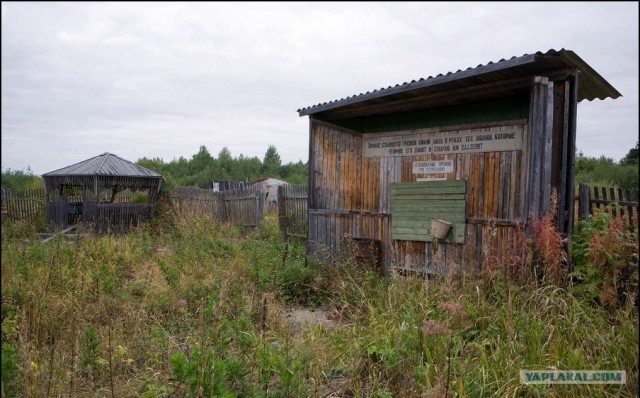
(162, 79)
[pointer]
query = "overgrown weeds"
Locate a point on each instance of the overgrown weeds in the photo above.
(605, 258)
(195, 308)
(548, 246)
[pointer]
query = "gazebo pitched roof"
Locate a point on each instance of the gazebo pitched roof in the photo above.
(106, 164)
(107, 170)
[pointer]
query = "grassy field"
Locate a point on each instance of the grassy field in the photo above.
(186, 307)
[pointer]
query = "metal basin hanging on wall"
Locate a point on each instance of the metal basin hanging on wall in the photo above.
(440, 228)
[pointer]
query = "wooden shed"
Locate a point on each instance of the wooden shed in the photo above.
(481, 149)
(87, 192)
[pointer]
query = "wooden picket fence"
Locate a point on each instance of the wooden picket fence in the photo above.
(194, 200)
(591, 198)
(243, 206)
(23, 205)
(292, 211)
(53, 213)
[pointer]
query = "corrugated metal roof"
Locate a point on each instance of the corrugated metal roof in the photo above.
(269, 181)
(106, 164)
(590, 86)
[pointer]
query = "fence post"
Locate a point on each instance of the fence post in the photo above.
(258, 210)
(282, 209)
(584, 198)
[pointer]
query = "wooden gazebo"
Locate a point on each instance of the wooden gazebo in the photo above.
(87, 192)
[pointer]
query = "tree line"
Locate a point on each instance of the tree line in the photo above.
(203, 168)
(606, 172)
(198, 171)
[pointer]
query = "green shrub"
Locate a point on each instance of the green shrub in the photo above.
(10, 372)
(605, 172)
(206, 374)
(89, 350)
(605, 259)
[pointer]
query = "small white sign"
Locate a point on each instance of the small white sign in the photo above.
(433, 167)
(431, 179)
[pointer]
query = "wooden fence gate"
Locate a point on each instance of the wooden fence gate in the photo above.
(292, 211)
(242, 206)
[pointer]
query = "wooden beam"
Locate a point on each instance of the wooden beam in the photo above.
(341, 129)
(64, 231)
(427, 100)
(565, 206)
(547, 144)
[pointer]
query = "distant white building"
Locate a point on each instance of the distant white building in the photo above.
(270, 192)
(219, 186)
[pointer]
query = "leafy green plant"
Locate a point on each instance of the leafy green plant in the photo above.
(140, 197)
(89, 350)
(281, 370)
(207, 374)
(605, 258)
(10, 371)
(19, 180)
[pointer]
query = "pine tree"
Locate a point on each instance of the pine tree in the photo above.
(271, 163)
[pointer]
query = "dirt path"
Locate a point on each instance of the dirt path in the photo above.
(302, 318)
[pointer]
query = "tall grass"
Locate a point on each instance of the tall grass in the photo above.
(188, 307)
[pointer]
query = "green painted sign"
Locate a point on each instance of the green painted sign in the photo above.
(415, 204)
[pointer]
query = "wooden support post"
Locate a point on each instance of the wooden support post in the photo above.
(584, 199)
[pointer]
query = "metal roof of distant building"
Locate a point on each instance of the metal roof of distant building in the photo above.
(591, 85)
(106, 164)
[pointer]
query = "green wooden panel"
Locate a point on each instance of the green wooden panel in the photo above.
(434, 191)
(456, 235)
(419, 221)
(428, 184)
(427, 204)
(415, 204)
(430, 197)
(481, 112)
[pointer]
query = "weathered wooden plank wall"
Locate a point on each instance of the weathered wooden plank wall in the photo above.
(540, 172)
(506, 185)
(335, 190)
(350, 198)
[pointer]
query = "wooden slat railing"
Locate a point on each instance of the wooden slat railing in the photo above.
(590, 198)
